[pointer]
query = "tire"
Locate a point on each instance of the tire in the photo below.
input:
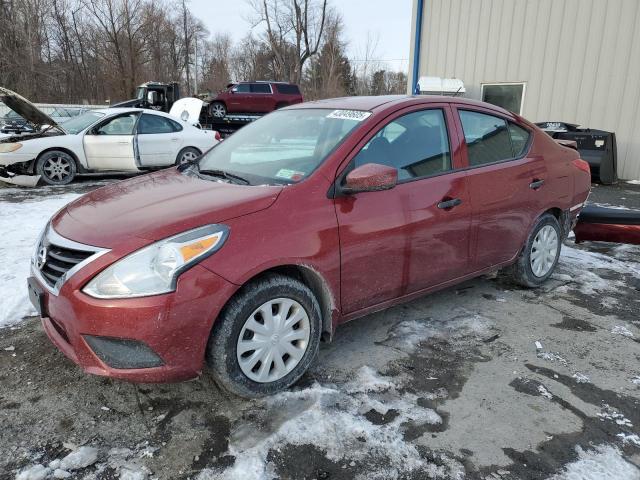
(531, 270)
(234, 334)
(281, 105)
(186, 155)
(218, 110)
(56, 167)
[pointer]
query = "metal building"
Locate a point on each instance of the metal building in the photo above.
(575, 61)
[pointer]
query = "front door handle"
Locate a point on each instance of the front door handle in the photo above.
(447, 204)
(536, 184)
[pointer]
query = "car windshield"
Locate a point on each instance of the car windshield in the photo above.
(79, 123)
(13, 115)
(283, 147)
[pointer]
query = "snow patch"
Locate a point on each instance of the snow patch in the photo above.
(602, 463)
(552, 357)
(581, 378)
(408, 334)
(332, 419)
(35, 472)
(632, 439)
(80, 458)
(622, 330)
(581, 266)
(607, 412)
(633, 182)
(544, 392)
(20, 224)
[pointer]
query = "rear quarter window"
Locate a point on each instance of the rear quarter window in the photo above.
(519, 139)
(288, 89)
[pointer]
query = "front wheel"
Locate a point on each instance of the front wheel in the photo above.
(56, 167)
(540, 255)
(266, 337)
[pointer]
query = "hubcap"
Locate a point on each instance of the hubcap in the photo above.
(188, 156)
(57, 168)
(218, 110)
(273, 340)
(543, 251)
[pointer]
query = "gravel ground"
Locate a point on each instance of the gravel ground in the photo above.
(482, 380)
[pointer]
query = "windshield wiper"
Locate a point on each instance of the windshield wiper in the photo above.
(226, 175)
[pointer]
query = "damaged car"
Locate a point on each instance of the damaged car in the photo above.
(309, 217)
(106, 140)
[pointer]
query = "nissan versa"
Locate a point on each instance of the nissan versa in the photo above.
(309, 217)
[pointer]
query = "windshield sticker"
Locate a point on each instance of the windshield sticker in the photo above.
(357, 115)
(290, 174)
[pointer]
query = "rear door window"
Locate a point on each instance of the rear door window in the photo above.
(487, 137)
(150, 124)
(260, 88)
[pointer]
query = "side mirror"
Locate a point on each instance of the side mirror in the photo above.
(371, 177)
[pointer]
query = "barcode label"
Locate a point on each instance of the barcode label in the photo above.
(357, 115)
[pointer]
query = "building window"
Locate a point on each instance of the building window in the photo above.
(509, 96)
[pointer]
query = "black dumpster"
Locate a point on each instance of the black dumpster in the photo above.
(597, 147)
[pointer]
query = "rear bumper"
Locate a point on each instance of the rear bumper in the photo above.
(175, 327)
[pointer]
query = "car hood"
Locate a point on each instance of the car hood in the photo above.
(188, 110)
(156, 206)
(26, 109)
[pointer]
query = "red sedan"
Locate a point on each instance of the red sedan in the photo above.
(316, 214)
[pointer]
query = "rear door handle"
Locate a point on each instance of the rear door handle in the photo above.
(536, 184)
(447, 204)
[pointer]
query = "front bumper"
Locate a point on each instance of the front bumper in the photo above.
(175, 327)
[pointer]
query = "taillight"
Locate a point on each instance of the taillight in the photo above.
(582, 165)
(217, 135)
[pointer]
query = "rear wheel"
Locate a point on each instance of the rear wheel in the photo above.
(56, 167)
(266, 337)
(187, 155)
(218, 110)
(540, 255)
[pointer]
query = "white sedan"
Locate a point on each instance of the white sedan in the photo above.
(106, 140)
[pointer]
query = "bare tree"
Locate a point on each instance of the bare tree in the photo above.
(293, 30)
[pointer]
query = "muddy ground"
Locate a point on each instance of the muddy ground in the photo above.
(452, 385)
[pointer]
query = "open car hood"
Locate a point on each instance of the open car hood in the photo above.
(26, 109)
(188, 110)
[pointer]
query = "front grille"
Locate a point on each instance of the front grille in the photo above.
(59, 260)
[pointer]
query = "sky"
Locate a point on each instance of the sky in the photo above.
(387, 21)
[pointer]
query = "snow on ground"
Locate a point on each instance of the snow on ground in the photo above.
(407, 335)
(602, 463)
(332, 418)
(123, 461)
(582, 266)
(20, 224)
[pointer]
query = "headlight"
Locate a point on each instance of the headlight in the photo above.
(154, 270)
(9, 147)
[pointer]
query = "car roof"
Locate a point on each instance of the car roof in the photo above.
(118, 110)
(372, 103)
